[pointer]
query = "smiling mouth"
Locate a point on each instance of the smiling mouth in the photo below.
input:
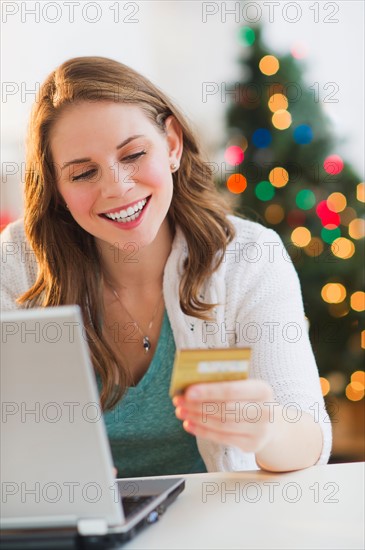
(128, 215)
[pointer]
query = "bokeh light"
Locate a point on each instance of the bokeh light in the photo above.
(305, 199)
(314, 248)
(330, 235)
(329, 219)
(274, 213)
(261, 138)
(277, 102)
(336, 202)
(246, 36)
(357, 228)
(343, 248)
(244, 144)
(269, 65)
(278, 177)
(333, 293)
(264, 191)
(358, 376)
(360, 192)
(303, 134)
(339, 310)
(281, 119)
(325, 385)
(301, 236)
(354, 391)
(357, 301)
(234, 155)
(333, 164)
(236, 183)
(348, 215)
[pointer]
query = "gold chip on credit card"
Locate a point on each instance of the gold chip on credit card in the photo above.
(195, 366)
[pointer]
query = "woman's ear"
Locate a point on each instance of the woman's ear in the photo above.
(174, 136)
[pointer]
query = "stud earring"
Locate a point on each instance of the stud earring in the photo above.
(174, 167)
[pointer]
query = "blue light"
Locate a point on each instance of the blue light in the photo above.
(303, 134)
(262, 138)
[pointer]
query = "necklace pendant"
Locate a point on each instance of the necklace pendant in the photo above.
(146, 344)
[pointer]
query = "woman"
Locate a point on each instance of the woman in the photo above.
(123, 218)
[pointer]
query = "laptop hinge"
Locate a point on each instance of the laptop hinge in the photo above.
(93, 526)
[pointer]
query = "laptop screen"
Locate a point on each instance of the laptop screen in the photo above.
(56, 464)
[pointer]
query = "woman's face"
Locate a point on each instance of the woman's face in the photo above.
(113, 170)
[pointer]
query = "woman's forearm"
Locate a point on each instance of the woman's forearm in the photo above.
(295, 445)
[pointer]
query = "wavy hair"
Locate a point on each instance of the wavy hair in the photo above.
(65, 252)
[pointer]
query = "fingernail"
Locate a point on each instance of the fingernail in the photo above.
(180, 412)
(188, 426)
(178, 400)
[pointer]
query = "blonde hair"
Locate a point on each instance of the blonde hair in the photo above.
(65, 252)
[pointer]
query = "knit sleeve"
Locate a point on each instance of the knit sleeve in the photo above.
(272, 321)
(18, 265)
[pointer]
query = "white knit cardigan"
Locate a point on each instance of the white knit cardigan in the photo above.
(261, 306)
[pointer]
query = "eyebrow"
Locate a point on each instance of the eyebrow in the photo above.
(80, 161)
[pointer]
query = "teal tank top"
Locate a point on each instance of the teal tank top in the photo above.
(145, 436)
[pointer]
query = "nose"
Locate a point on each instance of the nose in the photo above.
(116, 181)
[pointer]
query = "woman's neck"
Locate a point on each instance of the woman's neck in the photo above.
(137, 269)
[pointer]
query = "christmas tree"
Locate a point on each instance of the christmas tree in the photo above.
(290, 177)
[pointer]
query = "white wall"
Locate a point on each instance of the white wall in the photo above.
(179, 49)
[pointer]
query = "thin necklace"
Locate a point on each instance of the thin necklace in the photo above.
(145, 339)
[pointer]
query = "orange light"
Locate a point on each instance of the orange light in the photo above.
(360, 192)
(336, 202)
(277, 102)
(359, 377)
(343, 248)
(333, 293)
(357, 228)
(281, 119)
(357, 301)
(269, 65)
(278, 177)
(354, 392)
(236, 183)
(301, 236)
(325, 385)
(362, 339)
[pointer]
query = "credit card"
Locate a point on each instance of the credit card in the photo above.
(194, 366)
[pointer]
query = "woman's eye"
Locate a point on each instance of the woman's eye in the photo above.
(135, 156)
(84, 175)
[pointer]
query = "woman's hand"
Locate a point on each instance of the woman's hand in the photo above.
(230, 413)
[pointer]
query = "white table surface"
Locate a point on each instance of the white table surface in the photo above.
(315, 508)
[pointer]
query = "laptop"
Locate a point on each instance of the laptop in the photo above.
(57, 484)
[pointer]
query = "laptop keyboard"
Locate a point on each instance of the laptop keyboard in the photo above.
(132, 505)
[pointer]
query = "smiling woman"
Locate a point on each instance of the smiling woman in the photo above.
(124, 220)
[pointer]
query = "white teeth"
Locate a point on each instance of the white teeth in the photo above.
(131, 213)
